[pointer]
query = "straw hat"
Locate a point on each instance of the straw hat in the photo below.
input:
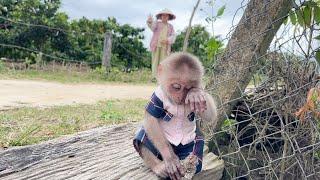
(166, 11)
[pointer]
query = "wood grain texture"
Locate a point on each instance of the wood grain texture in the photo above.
(101, 153)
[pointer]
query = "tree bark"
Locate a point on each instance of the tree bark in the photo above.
(106, 59)
(249, 42)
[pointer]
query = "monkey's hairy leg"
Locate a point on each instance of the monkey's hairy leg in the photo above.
(151, 161)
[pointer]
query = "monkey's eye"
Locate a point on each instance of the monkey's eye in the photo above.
(176, 86)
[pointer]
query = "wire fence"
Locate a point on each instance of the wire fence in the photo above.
(57, 58)
(58, 29)
(19, 22)
(272, 131)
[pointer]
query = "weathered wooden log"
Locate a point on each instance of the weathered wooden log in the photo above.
(101, 153)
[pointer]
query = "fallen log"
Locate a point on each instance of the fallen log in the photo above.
(101, 153)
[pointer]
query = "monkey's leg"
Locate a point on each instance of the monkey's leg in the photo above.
(151, 161)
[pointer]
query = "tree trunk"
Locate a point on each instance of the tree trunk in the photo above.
(249, 42)
(185, 42)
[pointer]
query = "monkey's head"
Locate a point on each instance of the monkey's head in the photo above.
(178, 73)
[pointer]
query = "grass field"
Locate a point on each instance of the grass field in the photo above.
(75, 75)
(28, 125)
(31, 125)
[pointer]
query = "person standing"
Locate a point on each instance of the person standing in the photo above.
(163, 37)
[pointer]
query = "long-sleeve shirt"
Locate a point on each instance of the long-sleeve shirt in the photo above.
(156, 27)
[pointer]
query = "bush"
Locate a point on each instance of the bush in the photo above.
(2, 66)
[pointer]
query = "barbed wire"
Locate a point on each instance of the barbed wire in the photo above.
(47, 55)
(145, 58)
(262, 137)
(19, 22)
(65, 31)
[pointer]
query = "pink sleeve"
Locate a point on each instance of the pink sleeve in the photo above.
(153, 25)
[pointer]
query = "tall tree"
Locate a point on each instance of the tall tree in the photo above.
(250, 40)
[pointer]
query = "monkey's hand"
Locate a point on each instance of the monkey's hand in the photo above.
(197, 100)
(160, 170)
(173, 166)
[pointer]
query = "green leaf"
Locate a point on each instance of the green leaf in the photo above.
(299, 14)
(228, 124)
(307, 15)
(318, 57)
(286, 20)
(317, 37)
(221, 10)
(293, 17)
(316, 12)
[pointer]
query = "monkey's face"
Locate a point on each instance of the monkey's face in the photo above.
(176, 83)
(177, 90)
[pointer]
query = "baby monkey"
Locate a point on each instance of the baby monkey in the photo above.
(169, 132)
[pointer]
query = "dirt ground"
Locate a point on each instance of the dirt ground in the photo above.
(20, 93)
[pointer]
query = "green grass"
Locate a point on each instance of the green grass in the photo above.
(25, 126)
(63, 75)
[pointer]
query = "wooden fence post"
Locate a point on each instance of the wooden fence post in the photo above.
(107, 50)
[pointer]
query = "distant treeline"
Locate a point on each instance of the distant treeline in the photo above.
(36, 29)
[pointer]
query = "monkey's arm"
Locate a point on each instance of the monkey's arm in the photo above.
(156, 135)
(203, 104)
(210, 114)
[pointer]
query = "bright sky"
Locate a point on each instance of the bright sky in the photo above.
(135, 12)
